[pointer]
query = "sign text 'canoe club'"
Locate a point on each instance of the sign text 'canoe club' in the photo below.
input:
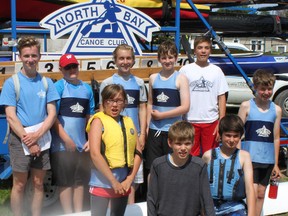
(98, 27)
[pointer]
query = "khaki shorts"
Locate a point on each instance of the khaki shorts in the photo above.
(23, 163)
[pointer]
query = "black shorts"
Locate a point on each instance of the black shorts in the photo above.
(70, 168)
(156, 146)
(262, 173)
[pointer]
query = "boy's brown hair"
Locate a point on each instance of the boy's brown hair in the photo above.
(28, 41)
(201, 39)
(180, 131)
(167, 47)
(263, 77)
(110, 91)
(231, 123)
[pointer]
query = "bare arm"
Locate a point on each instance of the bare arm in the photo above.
(31, 138)
(143, 124)
(150, 100)
(86, 146)
(222, 112)
(222, 105)
(69, 143)
(14, 121)
(95, 137)
(137, 161)
(183, 86)
(207, 156)
(244, 110)
(243, 113)
(248, 178)
(276, 171)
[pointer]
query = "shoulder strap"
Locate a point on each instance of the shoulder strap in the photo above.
(45, 82)
(16, 85)
(214, 156)
(125, 138)
(232, 166)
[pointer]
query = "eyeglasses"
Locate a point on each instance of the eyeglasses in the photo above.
(118, 102)
(70, 66)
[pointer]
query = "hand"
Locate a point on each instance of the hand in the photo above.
(70, 145)
(118, 188)
(142, 139)
(276, 173)
(30, 138)
(215, 132)
(156, 115)
(127, 184)
(86, 147)
(35, 150)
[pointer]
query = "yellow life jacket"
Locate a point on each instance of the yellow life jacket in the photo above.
(113, 140)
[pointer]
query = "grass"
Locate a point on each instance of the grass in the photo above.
(5, 190)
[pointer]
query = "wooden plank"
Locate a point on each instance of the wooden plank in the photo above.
(98, 75)
(104, 63)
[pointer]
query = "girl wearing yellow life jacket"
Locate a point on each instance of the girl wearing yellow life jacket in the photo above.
(115, 153)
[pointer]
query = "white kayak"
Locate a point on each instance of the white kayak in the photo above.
(271, 206)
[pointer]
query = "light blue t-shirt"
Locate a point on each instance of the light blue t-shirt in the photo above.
(31, 108)
(75, 105)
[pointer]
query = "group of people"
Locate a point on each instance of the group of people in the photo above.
(166, 131)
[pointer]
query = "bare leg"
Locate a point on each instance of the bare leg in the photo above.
(37, 176)
(66, 194)
(78, 198)
(17, 193)
(260, 195)
(131, 198)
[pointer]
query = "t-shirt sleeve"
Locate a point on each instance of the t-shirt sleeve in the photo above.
(91, 110)
(152, 195)
(8, 94)
(52, 93)
(223, 85)
(206, 197)
(104, 83)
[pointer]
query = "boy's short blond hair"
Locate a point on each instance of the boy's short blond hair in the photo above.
(28, 41)
(123, 47)
(167, 47)
(180, 131)
(263, 77)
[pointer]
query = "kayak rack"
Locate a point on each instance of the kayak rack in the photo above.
(216, 39)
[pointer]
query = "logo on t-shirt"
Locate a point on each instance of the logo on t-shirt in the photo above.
(201, 85)
(130, 99)
(77, 108)
(263, 132)
(41, 94)
(162, 98)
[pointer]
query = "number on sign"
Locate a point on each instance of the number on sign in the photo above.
(49, 67)
(149, 63)
(90, 66)
(110, 65)
(3, 70)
